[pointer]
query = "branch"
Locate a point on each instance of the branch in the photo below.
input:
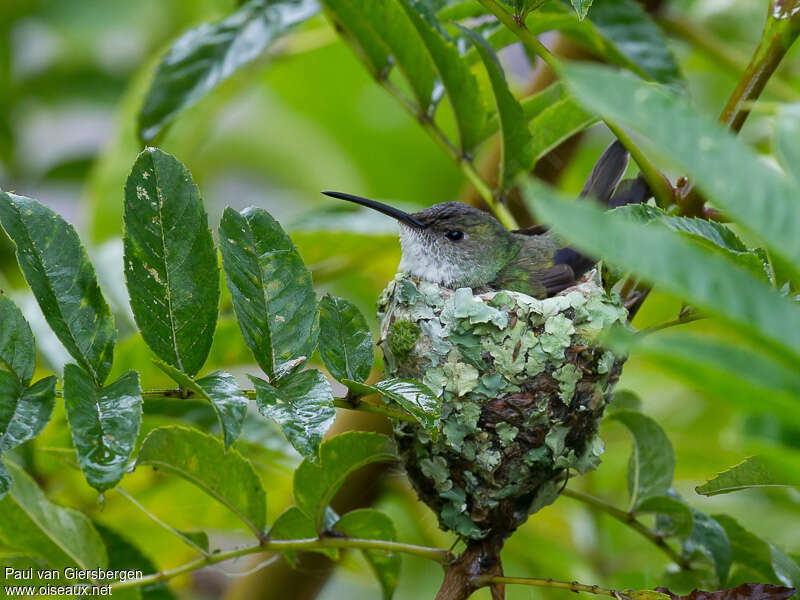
(438, 555)
(350, 403)
(573, 586)
(630, 520)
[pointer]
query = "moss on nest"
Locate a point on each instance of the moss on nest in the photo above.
(522, 383)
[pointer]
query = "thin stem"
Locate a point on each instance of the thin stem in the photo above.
(348, 403)
(630, 520)
(528, 39)
(729, 57)
(498, 209)
(680, 320)
(659, 185)
(169, 528)
(781, 30)
(438, 555)
(573, 586)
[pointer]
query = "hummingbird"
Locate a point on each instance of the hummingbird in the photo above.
(457, 245)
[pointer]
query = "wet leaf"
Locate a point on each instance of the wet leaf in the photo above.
(24, 413)
(61, 536)
(171, 264)
(756, 471)
(410, 395)
(17, 350)
(345, 343)
(302, 404)
(205, 56)
(581, 7)
(652, 462)
(222, 392)
(315, 484)
(57, 269)
(270, 287)
(370, 524)
(104, 422)
(202, 460)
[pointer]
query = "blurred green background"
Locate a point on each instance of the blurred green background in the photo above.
(308, 118)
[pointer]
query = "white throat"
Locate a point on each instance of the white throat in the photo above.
(423, 259)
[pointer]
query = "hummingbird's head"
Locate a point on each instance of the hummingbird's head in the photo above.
(452, 244)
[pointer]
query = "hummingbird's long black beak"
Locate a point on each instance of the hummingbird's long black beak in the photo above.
(393, 212)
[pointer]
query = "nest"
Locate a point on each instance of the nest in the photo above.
(522, 384)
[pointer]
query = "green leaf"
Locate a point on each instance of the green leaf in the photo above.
(302, 404)
(345, 343)
(532, 106)
(756, 471)
(708, 281)
(706, 233)
(222, 392)
(392, 27)
(293, 524)
(270, 287)
(581, 7)
(516, 147)
(732, 373)
(207, 55)
(17, 350)
(61, 536)
(359, 33)
(724, 168)
(315, 484)
(753, 552)
(104, 422)
(456, 77)
(410, 395)
(124, 555)
(557, 123)
(786, 146)
(652, 462)
(636, 39)
(171, 264)
(24, 413)
(678, 520)
(709, 538)
(57, 269)
(370, 524)
(202, 460)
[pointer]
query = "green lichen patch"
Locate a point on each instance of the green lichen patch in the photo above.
(403, 338)
(522, 384)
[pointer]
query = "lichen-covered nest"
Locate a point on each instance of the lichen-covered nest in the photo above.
(522, 384)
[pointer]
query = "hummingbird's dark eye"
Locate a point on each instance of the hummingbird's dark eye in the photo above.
(454, 235)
